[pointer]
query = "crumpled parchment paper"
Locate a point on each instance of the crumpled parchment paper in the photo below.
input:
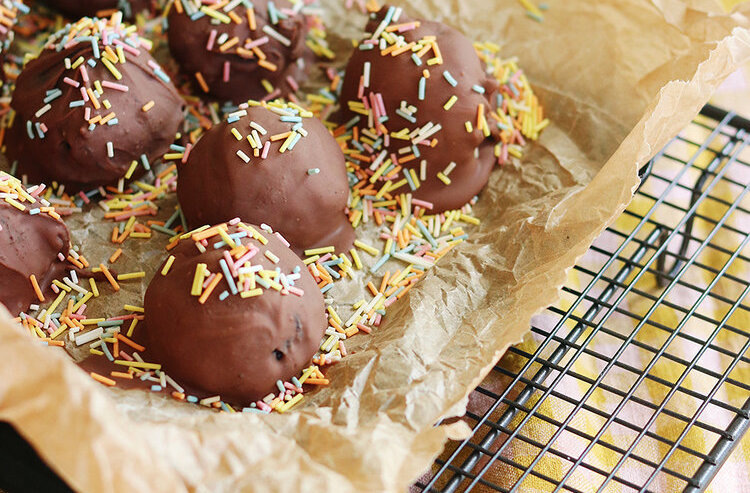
(617, 78)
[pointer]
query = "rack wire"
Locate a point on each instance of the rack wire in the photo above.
(637, 380)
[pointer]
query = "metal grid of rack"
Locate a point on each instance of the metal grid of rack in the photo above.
(638, 379)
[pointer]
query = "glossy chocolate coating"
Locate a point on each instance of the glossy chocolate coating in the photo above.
(189, 42)
(29, 244)
(397, 79)
(80, 8)
(71, 153)
(237, 348)
(216, 185)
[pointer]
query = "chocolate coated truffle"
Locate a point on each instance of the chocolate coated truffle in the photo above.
(229, 54)
(80, 8)
(423, 82)
(86, 124)
(29, 245)
(249, 327)
(295, 182)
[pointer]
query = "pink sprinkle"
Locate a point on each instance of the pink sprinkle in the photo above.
(296, 290)
(292, 83)
(84, 74)
(381, 104)
(390, 301)
(407, 27)
(230, 263)
(186, 154)
(208, 281)
(84, 198)
(115, 85)
(211, 39)
(281, 238)
(81, 310)
(257, 42)
(87, 113)
(394, 158)
(123, 317)
(125, 356)
(387, 140)
(227, 66)
(263, 406)
(324, 257)
(71, 82)
(153, 65)
(266, 148)
(43, 128)
(253, 251)
(84, 94)
(342, 348)
(422, 203)
(204, 242)
(275, 94)
(126, 47)
(246, 285)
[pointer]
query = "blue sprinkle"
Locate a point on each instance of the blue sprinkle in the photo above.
(477, 88)
(422, 87)
(113, 121)
(156, 388)
(417, 60)
(177, 148)
(224, 294)
(291, 119)
(91, 62)
(427, 234)
(296, 382)
(325, 288)
(447, 75)
(280, 386)
(366, 46)
(145, 163)
(39, 130)
(105, 349)
(380, 263)
(30, 129)
(228, 276)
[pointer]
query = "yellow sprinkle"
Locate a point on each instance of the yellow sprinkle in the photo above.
(355, 256)
(132, 327)
(15, 204)
(96, 352)
(62, 286)
(227, 239)
(132, 308)
(270, 256)
(148, 106)
(132, 168)
(113, 70)
(251, 293)
(92, 321)
(449, 104)
(366, 247)
(131, 275)
(83, 300)
(319, 251)
(167, 265)
(469, 219)
(236, 134)
(200, 274)
(54, 304)
(469, 127)
(288, 405)
(94, 287)
(288, 141)
(59, 331)
(138, 364)
(443, 178)
(140, 235)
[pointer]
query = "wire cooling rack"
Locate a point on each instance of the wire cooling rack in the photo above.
(638, 379)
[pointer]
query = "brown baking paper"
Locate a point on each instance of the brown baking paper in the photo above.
(617, 78)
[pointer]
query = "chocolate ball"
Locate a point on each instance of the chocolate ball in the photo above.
(83, 116)
(228, 55)
(29, 245)
(80, 8)
(295, 182)
(430, 94)
(260, 322)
